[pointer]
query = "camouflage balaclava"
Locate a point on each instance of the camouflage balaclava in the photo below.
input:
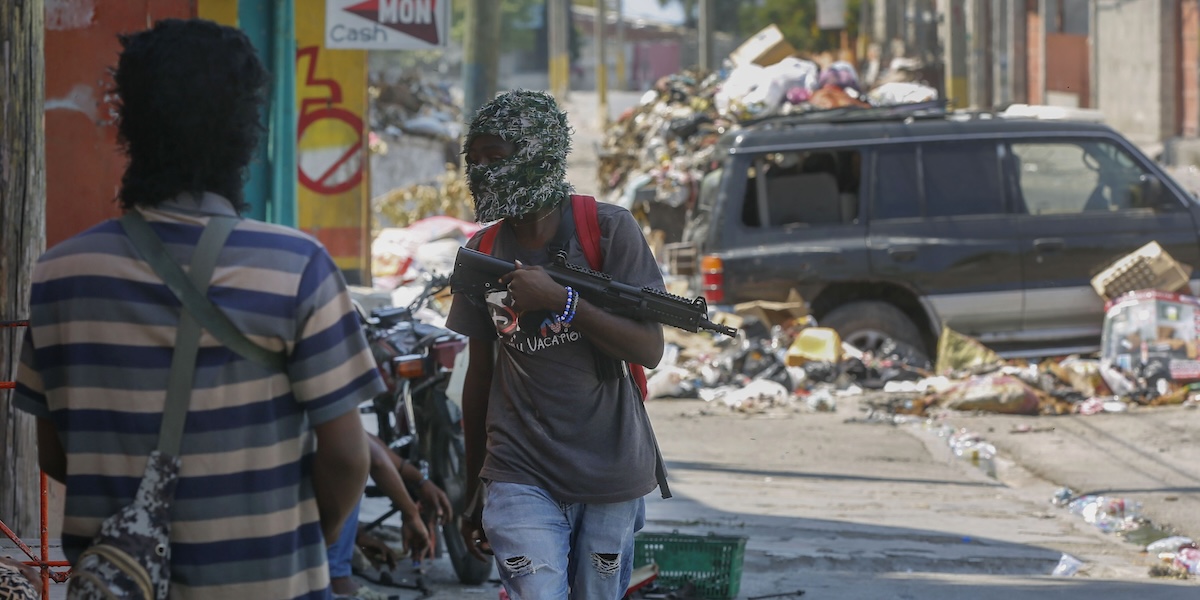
(534, 177)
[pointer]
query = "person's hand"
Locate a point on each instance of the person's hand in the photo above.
(376, 551)
(416, 539)
(437, 502)
(475, 539)
(532, 289)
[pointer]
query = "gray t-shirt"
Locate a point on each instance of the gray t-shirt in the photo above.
(553, 421)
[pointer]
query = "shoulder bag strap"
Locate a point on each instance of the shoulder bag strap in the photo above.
(187, 337)
(152, 251)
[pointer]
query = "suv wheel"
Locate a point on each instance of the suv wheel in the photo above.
(879, 328)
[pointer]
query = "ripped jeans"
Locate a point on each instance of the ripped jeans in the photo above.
(546, 549)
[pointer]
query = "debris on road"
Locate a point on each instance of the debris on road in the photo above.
(1067, 566)
(1150, 357)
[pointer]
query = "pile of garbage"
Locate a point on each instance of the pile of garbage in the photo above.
(411, 105)
(427, 246)
(1178, 555)
(662, 148)
(783, 358)
(447, 196)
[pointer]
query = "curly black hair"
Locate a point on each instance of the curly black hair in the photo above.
(189, 99)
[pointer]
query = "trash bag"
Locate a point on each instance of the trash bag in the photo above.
(1003, 394)
(1170, 544)
(822, 372)
(958, 352)
(1067, 566)
(842, 74)
(896, 92)
(794, 72)
(686, 127)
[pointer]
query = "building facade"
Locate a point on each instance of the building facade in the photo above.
(1136, 61)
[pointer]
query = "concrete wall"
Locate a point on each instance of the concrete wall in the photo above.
(410, 160)
(1136, 68)
(1189, 68)
(83, 162)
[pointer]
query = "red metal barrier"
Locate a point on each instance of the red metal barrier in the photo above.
(42, 561)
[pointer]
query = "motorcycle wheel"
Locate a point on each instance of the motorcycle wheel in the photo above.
(446, 469)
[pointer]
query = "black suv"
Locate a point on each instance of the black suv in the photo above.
(895, 223)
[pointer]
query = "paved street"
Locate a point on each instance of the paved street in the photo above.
(858, 510)
(843, 508)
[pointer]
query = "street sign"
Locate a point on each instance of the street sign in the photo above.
(387, 24)
(831, 14)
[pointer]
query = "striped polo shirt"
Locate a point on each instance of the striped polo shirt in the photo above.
(96, 361)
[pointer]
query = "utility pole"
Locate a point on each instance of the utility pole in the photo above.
(481, 54)
(954, 52)
(601, 42)
(558, 22)
(621, 81)
(22, 239)
(706, 35)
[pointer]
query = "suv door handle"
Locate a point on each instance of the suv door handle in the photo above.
(1049, 244)
(902, 253)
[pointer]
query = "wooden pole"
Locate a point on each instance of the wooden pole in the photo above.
(600, 38)
(22, 239)
(481, 55)
(706, 36)
(621, 81)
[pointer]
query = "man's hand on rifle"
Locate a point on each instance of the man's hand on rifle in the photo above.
(532, 289)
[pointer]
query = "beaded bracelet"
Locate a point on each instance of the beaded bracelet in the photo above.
(568, 312)
(573, 305)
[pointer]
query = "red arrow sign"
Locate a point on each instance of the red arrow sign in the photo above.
(415, 18)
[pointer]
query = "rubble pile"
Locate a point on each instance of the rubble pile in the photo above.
(1150, 357)
(412, 106)
(447, 196)
(656, 154)
(432, 222)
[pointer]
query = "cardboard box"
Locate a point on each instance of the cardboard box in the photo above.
(764, 48)
(774, 313)
(815, 344)
(1148, 268)
(1147, 326)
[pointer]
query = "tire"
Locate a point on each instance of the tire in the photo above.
(881, 328)
(447, 458)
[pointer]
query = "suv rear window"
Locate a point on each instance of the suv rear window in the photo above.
(957, 179)
(962, 179)
(812, 187)
(897, 189)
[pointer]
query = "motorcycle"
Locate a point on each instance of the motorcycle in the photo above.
(415, 417)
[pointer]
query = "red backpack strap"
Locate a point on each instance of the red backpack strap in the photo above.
(638, 372)
(587, 229)
(488, 240)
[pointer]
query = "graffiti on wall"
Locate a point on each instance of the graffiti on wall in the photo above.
(330, 135)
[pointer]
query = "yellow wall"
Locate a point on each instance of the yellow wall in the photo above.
(224, 12)
(331, 96)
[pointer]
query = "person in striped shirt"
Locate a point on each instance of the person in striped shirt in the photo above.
(272, 462)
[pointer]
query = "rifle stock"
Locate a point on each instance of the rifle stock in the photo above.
(476, 274)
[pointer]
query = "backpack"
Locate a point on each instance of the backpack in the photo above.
(584, 210)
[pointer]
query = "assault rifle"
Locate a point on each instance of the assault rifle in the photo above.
(476, 274)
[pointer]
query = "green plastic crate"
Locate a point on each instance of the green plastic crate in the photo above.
(712, 563)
